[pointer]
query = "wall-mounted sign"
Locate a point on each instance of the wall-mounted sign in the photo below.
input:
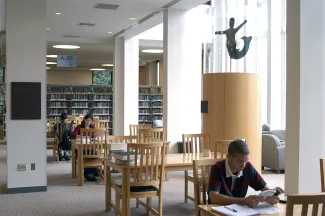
(67, 61)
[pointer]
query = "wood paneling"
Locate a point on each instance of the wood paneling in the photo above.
(143, 75)
(69, 77)
(234, 109)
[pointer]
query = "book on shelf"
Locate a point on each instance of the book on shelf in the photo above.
(122, 155)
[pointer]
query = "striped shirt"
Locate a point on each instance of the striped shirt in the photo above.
(234, 187)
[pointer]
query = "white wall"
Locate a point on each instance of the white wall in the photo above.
(2, 15)
(26, 56)
(305, 116)
(126, 84)
(182, 75)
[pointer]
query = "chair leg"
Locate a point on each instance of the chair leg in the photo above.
(186, 186)
(160, 205)
(137, 203)
(148, 206)
(166, 176)
(118, 202)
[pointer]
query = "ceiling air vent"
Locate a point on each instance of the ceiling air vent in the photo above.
(70, 36)
(106, 6)
(87, 24)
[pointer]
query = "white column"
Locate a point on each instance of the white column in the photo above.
(305, 122)
(182, 75)
(26, 56)
(152, 70)
(126, 84)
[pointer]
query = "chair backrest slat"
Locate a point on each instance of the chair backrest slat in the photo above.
(305, 200)
(194, 143)
(322, 174)
(221, 148)
(93, 142)
(201, 184)
(150, 135)
(148, 164)
(135, 127)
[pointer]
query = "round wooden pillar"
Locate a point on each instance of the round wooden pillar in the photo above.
(234, 110)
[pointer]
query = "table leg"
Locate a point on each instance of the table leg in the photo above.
(125, 198)
(108, 194)
(73, 162)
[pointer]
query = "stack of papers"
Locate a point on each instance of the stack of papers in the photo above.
(238, 210)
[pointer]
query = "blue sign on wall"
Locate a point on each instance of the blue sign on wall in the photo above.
(66, 61)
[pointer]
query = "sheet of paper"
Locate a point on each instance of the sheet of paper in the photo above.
(241, 210)
(265, 208)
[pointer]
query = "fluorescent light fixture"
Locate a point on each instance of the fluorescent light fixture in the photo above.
(107, 65)
(152, 51)
(66, 47)
(48, 68)
(50, 63)
(58, 13)
(51, 56)
(97, 69)
(48, 29)
(110, 32)
(132, 18)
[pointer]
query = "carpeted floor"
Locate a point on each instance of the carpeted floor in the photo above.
(64, 197)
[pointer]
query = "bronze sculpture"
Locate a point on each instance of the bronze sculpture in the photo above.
(230, 33)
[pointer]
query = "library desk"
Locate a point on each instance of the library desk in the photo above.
(173, 162)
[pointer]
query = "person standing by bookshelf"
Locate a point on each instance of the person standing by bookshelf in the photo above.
(89, 173)
(63, 154)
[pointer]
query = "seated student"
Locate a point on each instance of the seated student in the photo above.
(89, 173)
(230, 178)
(60, 134)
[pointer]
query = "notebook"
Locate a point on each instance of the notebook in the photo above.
(240, 210)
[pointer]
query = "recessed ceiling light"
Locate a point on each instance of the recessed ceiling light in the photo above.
(48, 68)
(50, 63)
(132, 18)
(107, 65)
(51, 56)
(152, 51)
(48, 29)
(110, 32)
(66, 47)
(58, 13)
(97, 69)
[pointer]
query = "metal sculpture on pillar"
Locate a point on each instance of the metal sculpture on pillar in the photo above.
(230, 33)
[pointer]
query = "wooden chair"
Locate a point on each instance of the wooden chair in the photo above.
(146, 181)
(150, 135)
(322, 174)
(221, 147)
(52, 139)
(201, 173)
(96, 118)
(101, 124)
(92, 150)
(305, 201)
(135, 127)
(193, 143)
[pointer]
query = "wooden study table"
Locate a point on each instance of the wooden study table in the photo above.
(173, 162)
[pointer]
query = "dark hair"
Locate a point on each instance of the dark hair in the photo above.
(64, 116)
(86, 117)
(238, 146)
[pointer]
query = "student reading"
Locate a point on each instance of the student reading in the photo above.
(230, 178)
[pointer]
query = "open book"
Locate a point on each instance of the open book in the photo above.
(238, 210)
(273, 192)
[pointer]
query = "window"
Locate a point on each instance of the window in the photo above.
(102, 78)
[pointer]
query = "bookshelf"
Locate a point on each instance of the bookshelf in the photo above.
(150, 104)
(78, 99)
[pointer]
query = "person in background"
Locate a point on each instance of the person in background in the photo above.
(89, 173)
(60, 133)
(230, 178)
